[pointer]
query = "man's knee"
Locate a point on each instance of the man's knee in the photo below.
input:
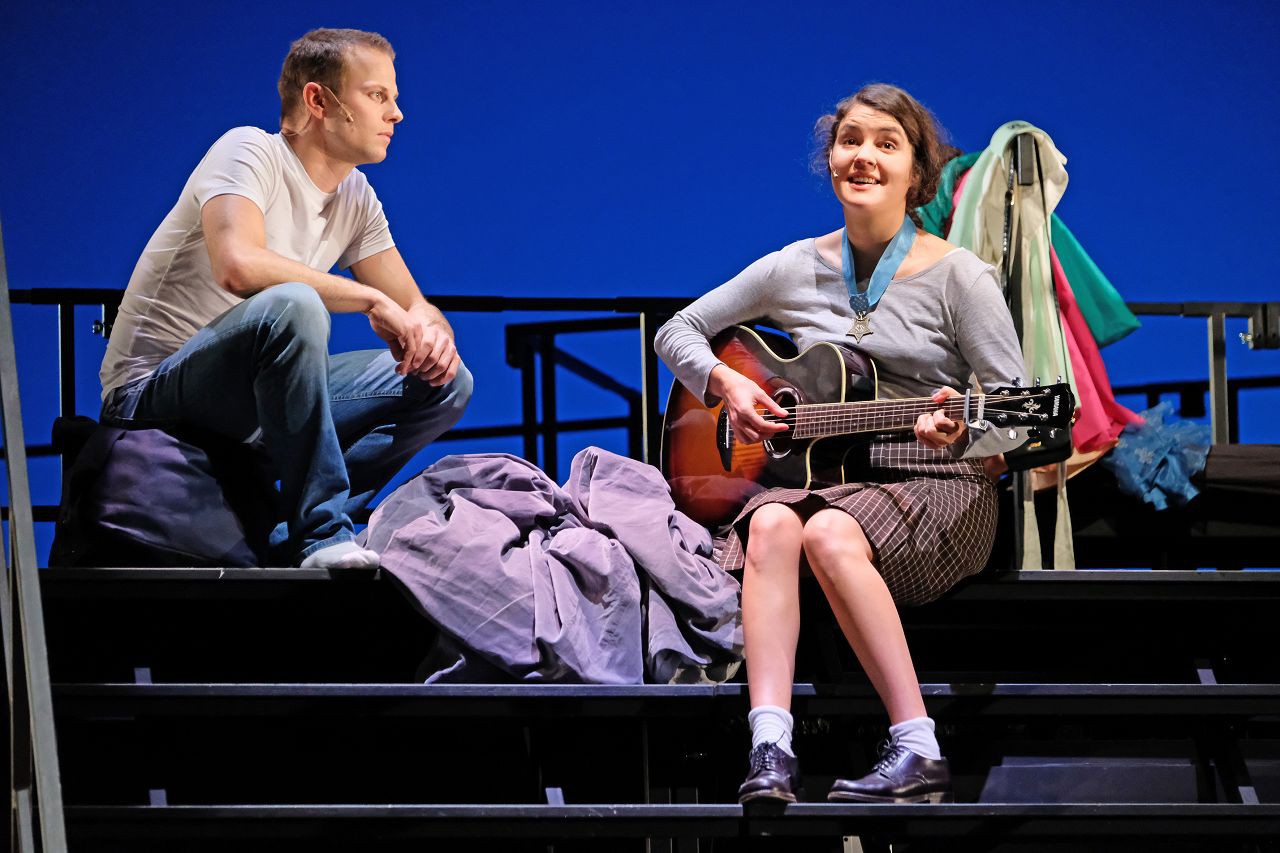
(459, 390)
(438, 407)
(293, 308)
(453, 397)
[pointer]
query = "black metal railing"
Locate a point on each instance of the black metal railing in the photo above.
(533, 349)
(1263, 333)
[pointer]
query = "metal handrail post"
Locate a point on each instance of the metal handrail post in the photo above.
(550, 432)
(650, 399)
(29, 664)
(1219, 412)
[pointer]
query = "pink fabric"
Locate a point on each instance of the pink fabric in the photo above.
(1101, 418)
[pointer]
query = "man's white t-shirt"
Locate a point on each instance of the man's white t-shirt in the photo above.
(172, 293)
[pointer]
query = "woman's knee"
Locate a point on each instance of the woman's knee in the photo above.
(773, 527)
(832, 537)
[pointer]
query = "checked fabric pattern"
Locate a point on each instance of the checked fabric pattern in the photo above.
(930, 519)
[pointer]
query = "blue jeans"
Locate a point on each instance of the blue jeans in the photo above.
(337, 428)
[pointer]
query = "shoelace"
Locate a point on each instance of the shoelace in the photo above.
(763, 757)
(890, 752)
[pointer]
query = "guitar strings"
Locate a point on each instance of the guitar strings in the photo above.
(878, 407)
(865, 413)
(926, 402)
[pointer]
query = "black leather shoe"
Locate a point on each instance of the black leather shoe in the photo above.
(900, 776)
(774, 775)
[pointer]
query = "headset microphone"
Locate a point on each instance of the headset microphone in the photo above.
(338, 101)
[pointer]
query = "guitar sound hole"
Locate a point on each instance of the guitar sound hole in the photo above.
(780, 445)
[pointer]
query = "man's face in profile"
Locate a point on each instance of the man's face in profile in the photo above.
(362, 132)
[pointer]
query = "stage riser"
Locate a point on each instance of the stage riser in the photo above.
(310, 759)
(1087, 694)
(367, 632)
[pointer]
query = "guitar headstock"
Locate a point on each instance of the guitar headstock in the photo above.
(1045, 407)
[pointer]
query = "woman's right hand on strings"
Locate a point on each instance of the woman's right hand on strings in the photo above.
(742, 399)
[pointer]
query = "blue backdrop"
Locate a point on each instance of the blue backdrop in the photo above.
(583, 148)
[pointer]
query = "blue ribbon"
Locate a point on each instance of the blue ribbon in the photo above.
(886, 267)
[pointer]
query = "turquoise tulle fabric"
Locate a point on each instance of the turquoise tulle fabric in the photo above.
(1156, 458)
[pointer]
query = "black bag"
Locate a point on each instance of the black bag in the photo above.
(151, 498)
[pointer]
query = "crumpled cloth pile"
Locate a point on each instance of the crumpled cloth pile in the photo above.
(1156, 458)
(600, 580)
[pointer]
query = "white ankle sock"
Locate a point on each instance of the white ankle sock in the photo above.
(771, 724)
(342, 555)
(917, 735)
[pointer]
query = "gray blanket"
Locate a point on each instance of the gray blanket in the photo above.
(600, 581)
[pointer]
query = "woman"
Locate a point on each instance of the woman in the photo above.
(932, 316)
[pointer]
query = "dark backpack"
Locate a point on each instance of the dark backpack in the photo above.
(151, 497)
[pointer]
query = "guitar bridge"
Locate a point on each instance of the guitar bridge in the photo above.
(724, 439)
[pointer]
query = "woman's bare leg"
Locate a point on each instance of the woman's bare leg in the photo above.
(771, 604)
(841, 558)
(770, 629)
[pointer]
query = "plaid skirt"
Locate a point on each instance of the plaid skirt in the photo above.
(930, 519)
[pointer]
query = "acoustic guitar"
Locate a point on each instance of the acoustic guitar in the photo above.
(829, 394)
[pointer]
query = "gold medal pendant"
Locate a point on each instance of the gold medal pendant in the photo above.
(861, 327)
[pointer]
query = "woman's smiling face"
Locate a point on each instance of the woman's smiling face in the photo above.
(871, 161)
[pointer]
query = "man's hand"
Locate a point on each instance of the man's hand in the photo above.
(439, 360)
(741, 397)
(935, 429)
(421, 348)
(419, 336)
(401, 331)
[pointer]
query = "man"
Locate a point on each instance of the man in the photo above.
(225, 321)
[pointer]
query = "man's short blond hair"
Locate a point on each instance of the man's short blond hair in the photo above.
(320, 57)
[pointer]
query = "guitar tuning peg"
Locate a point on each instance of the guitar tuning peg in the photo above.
(1060, 379)
(1017, 382)
(1037, 381)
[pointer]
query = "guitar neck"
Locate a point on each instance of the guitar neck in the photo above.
(821, 420)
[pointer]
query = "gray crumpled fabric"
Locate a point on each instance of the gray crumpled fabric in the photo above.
(600, 581)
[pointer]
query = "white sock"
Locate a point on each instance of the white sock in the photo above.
(771, 724)
(342, 555)
(917, 735)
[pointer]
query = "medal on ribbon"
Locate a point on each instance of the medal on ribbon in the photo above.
(863, 303)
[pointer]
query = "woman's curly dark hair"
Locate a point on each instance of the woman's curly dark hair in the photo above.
(929, 150)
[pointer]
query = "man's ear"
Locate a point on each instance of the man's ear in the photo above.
(313, 100)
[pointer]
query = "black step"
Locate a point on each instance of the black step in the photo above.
(533, 700)
(1082, 584)
(209, 625)
(161, 825)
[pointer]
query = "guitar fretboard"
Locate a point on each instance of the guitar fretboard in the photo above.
(819, 420)
(825, 419)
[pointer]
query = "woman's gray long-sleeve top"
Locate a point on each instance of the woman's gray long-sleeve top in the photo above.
(935, 328)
